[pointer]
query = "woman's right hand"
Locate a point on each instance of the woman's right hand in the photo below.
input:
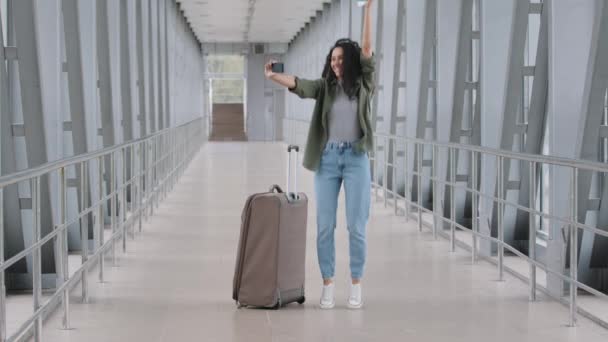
(280, 78)
(268, 69)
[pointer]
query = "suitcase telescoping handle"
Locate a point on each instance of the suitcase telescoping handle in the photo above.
(292, 194)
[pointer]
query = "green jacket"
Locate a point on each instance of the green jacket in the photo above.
(324, 92)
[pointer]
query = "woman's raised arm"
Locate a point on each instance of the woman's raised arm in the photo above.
(366, 41)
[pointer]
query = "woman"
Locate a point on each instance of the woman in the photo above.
(339, 137)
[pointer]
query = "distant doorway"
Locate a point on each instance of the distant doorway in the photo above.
(228, 122)
(227, 97)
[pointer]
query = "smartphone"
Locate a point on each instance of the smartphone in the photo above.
(278, 67)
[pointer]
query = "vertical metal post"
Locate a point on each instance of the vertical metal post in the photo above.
(123, 199)
(162, 165)
(165, 164)
(408, 195)
(151, 66)
(152, 193)
(573, 247)
(295, 176)
(146, 170)
(387, 142)
(474, 220)
(532, 225)
(434, 182)
(113, 204)
(287, 185)
(419, 183)
(173, 178)
(146, 175)
(36, 257)
(176, 157)
(64, 249)
(84, 231)
(395, 190)
(152, 177)
(58, 244)
(104, 72)
(141, 89)
(171, 160)
(150, 165)
(452, 199)
(168, 163)
(140, 189)
(158, 167)
(100, 234)
(161, 168)
(156, 172)
(376, 175)
(95, 211)
(501, 197)
(2, 287)
(134, 188)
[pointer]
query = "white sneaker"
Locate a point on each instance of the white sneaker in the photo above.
(354, 300)
(327, 297)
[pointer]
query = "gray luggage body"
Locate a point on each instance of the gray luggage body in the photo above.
(270, 264)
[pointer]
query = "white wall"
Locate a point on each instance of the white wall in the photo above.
(260, 96)
(185, 72)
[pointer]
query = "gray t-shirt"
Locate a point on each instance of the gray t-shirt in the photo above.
(343, 121)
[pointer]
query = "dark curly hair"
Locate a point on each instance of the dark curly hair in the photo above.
(351, 65)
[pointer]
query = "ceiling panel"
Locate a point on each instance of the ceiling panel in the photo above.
(227, 20)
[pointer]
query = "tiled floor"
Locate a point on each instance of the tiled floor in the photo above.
(175, 282)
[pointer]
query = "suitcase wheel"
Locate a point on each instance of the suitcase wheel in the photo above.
(302, 300)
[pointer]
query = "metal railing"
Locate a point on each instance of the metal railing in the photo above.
(381, 165)
(156, 163)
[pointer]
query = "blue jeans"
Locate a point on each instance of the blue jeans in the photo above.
(340, 163)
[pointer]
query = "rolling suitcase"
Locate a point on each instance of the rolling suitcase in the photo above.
(271, 253)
